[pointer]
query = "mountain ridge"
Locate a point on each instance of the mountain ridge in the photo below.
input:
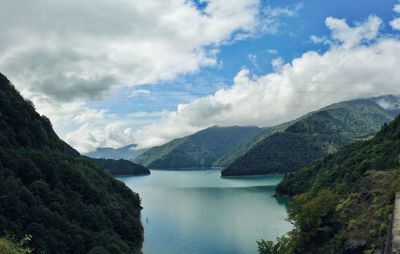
(313, 136)
(199, 150)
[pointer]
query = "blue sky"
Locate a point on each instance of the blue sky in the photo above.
(290, 41)
(147, 72)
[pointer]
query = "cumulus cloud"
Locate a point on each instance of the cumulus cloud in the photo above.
(64, 54)
(69, 49)
(396, 8)
(353, 36)
(395, 23)
(100, 128)
(349, 69)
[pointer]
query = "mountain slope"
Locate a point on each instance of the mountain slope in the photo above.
(343, 203)
(121, 167)
(313, 136)
(126, 153)
(47, 190)
(238, 152)
(201, 149)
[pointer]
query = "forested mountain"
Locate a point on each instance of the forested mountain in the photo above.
(63, 201)
(343, 203)
(241, 150)
(128, 152)
(121, 167)
(201, 149)
(315, 136)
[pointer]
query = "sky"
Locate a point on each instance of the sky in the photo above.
(109, 73)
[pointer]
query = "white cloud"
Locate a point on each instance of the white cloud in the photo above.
(270, 17)
(70, 49)
(306, 83)
(396, 8)
(320, 40)
(272, 51)
(277, 64)
(253, 59)
(99, 128)
(138, 92)
(395, 23)
(63, 55)
(353, 36)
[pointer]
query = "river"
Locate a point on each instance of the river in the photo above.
(198, 212)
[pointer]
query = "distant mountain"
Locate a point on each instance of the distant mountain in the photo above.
(128, 152)
(121, 167)
(49, 191)
(198, 150)
(344, 203)
(314, 136)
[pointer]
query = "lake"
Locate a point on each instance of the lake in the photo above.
(199, 212)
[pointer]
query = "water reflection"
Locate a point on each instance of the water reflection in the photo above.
(198, 212)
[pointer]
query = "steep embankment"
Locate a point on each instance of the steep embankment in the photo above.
(47, 190)
(198, 150)
(343, 203)
(314, 136)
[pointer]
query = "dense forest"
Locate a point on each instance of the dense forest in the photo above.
(61, 200)
(121, 167)
(199, 150)
(313, 136)
(343, 203)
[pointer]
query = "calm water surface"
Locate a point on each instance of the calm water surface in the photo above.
(196, 212)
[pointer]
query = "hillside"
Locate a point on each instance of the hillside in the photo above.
(198, 150)
(121, 167)
(128, 152)
(343, 203)
(238, 152)
(314, 136)
(47, 190)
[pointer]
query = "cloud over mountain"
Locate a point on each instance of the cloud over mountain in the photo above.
(359, 63)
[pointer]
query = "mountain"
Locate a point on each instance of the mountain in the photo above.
(241, 150)
(64, 202)
(315, 136)
(121, 167)
(344, 203)
(198, 150)
(128, 152)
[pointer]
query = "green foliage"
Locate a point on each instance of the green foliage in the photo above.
(311, 137)
(201, 149)
(281, 246)
(48, 191)
(343, 203)
(121, 167)
(8, 246)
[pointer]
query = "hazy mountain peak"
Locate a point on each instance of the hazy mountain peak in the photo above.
(388, 102)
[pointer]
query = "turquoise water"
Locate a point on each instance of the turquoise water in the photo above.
(196, 212)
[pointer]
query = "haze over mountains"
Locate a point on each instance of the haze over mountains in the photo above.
(128, 152)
